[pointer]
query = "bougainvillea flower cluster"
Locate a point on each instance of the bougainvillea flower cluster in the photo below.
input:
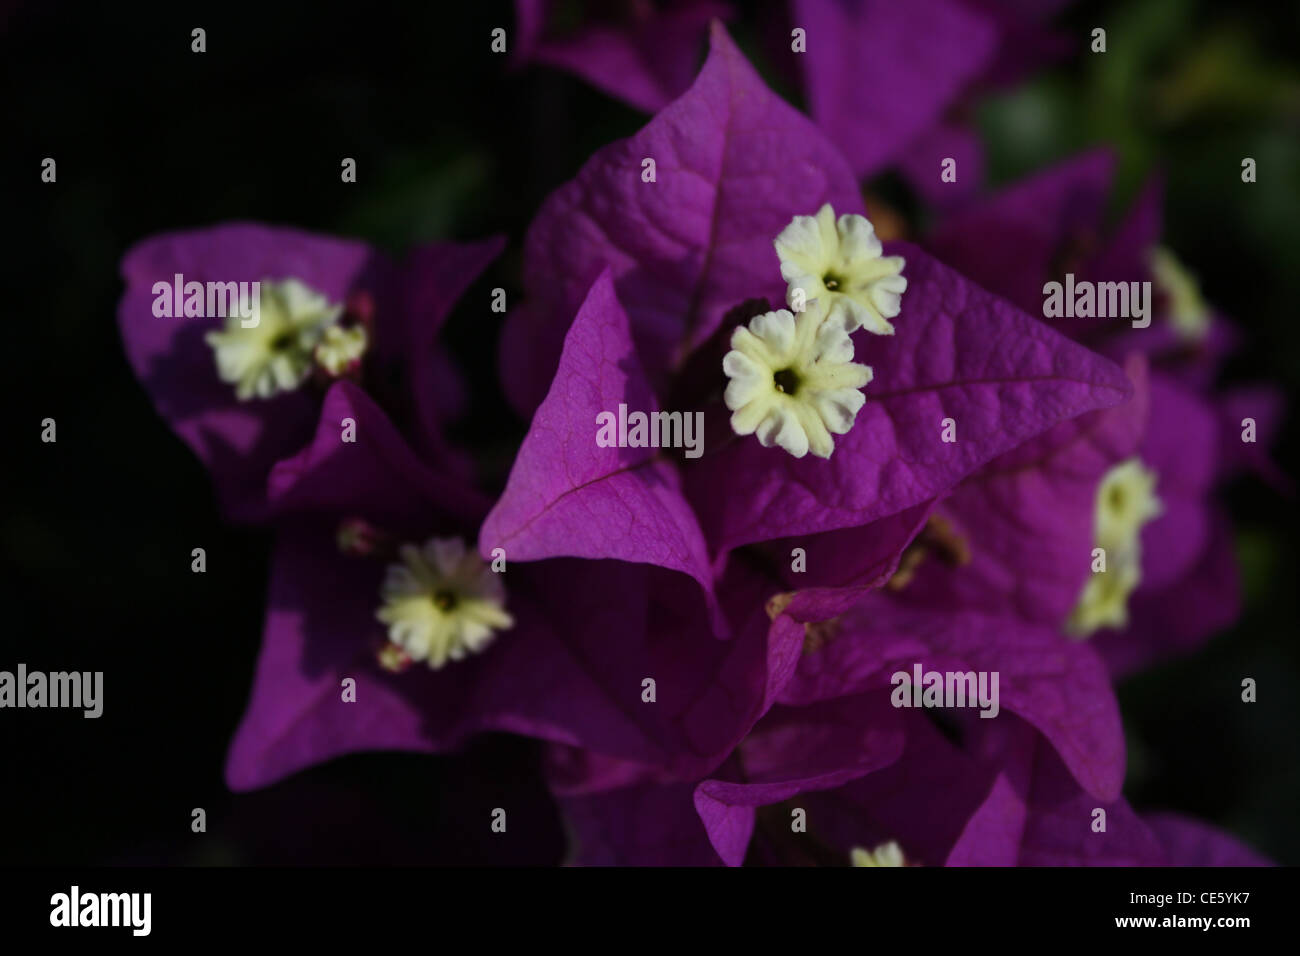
(902, 472)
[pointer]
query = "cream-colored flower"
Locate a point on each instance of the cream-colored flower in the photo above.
(1125, 502)
(442, 601)
(1189, 313)
(793, 381)
(887, 854)
(1104, 602)
(276, 354)
(839, 262)
(339, 347)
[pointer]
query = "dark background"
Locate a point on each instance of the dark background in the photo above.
(450, 143)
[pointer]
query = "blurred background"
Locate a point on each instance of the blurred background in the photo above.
(97, 529)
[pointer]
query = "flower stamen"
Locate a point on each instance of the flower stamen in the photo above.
(786, 381)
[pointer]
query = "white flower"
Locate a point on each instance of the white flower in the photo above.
(1104, 601)
(1125, 502)
(1188, 312)
(339, 347)
(793, 381)
(887, 854)
(442, 601)
(276, 354)
(839, 262)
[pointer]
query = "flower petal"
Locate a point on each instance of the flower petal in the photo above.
(566, 495)
(959, 353)
(734, 163)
